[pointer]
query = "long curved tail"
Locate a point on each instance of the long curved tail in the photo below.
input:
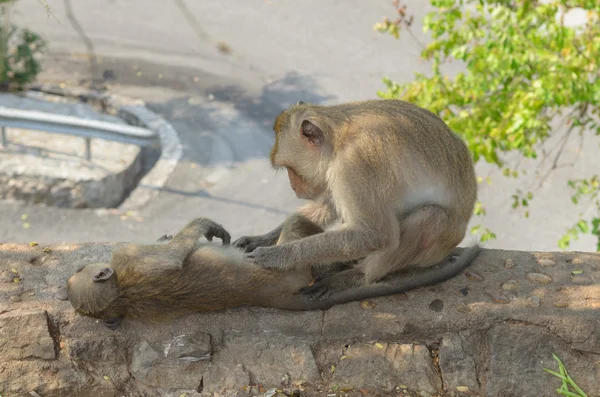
(419, 278)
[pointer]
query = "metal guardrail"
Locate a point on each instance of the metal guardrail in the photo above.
(69, 125)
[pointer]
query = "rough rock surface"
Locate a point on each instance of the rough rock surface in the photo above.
(487, 332)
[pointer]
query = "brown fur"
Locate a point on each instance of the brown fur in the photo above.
(401, 184)
(158, 282)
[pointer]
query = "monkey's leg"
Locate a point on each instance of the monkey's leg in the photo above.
(250, 243)
(297, 226)
(428, 236)
(331, 282)
(318, 212)
(185, 241)
(155, 260)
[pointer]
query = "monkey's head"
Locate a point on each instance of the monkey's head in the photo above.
(303, 146)
(94, 292)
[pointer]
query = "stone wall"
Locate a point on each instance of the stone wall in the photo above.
(488, 332)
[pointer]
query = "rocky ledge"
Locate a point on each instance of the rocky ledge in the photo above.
(488, 332)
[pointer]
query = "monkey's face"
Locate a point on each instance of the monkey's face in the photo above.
(300, 147)
(92, 292)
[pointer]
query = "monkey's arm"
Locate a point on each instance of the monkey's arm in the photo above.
(200, 227)
(325, 248)
(185, 241)
(156, 259)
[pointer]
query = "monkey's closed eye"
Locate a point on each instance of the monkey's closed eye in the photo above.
(103, 275)
(113, 323)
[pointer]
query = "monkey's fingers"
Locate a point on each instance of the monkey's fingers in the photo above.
(224, 236)
(250, 243)
(245, 243)
(219, 232)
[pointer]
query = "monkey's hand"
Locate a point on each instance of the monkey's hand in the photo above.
(250, 243)
(270, 257)
(212, 229)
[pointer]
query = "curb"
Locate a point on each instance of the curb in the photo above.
(134, 112)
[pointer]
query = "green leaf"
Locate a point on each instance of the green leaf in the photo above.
(583, 226)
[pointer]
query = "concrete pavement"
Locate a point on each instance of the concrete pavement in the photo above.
(223, 106)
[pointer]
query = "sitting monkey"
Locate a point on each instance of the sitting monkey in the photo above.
(165, 281)
(391, 183)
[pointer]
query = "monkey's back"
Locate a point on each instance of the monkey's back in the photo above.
(402, 128)
(409, 143)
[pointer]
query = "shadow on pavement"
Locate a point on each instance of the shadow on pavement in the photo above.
(229, 115)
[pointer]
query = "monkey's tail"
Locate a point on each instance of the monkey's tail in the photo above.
(421, 278)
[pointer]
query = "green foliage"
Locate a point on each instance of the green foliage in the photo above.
(19, 51)
(524, 69)
(21, 65)
(567, 381)
(588, 189)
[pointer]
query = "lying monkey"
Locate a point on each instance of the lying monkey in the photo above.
(165, 281)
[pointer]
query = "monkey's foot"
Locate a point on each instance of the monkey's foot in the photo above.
(250, 243)
(331, 283)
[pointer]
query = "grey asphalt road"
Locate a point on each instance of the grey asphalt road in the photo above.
(324, 51)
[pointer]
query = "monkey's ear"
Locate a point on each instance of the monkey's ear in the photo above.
(313, 133)
(300, 103)
(62, 293)
(102, 275)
